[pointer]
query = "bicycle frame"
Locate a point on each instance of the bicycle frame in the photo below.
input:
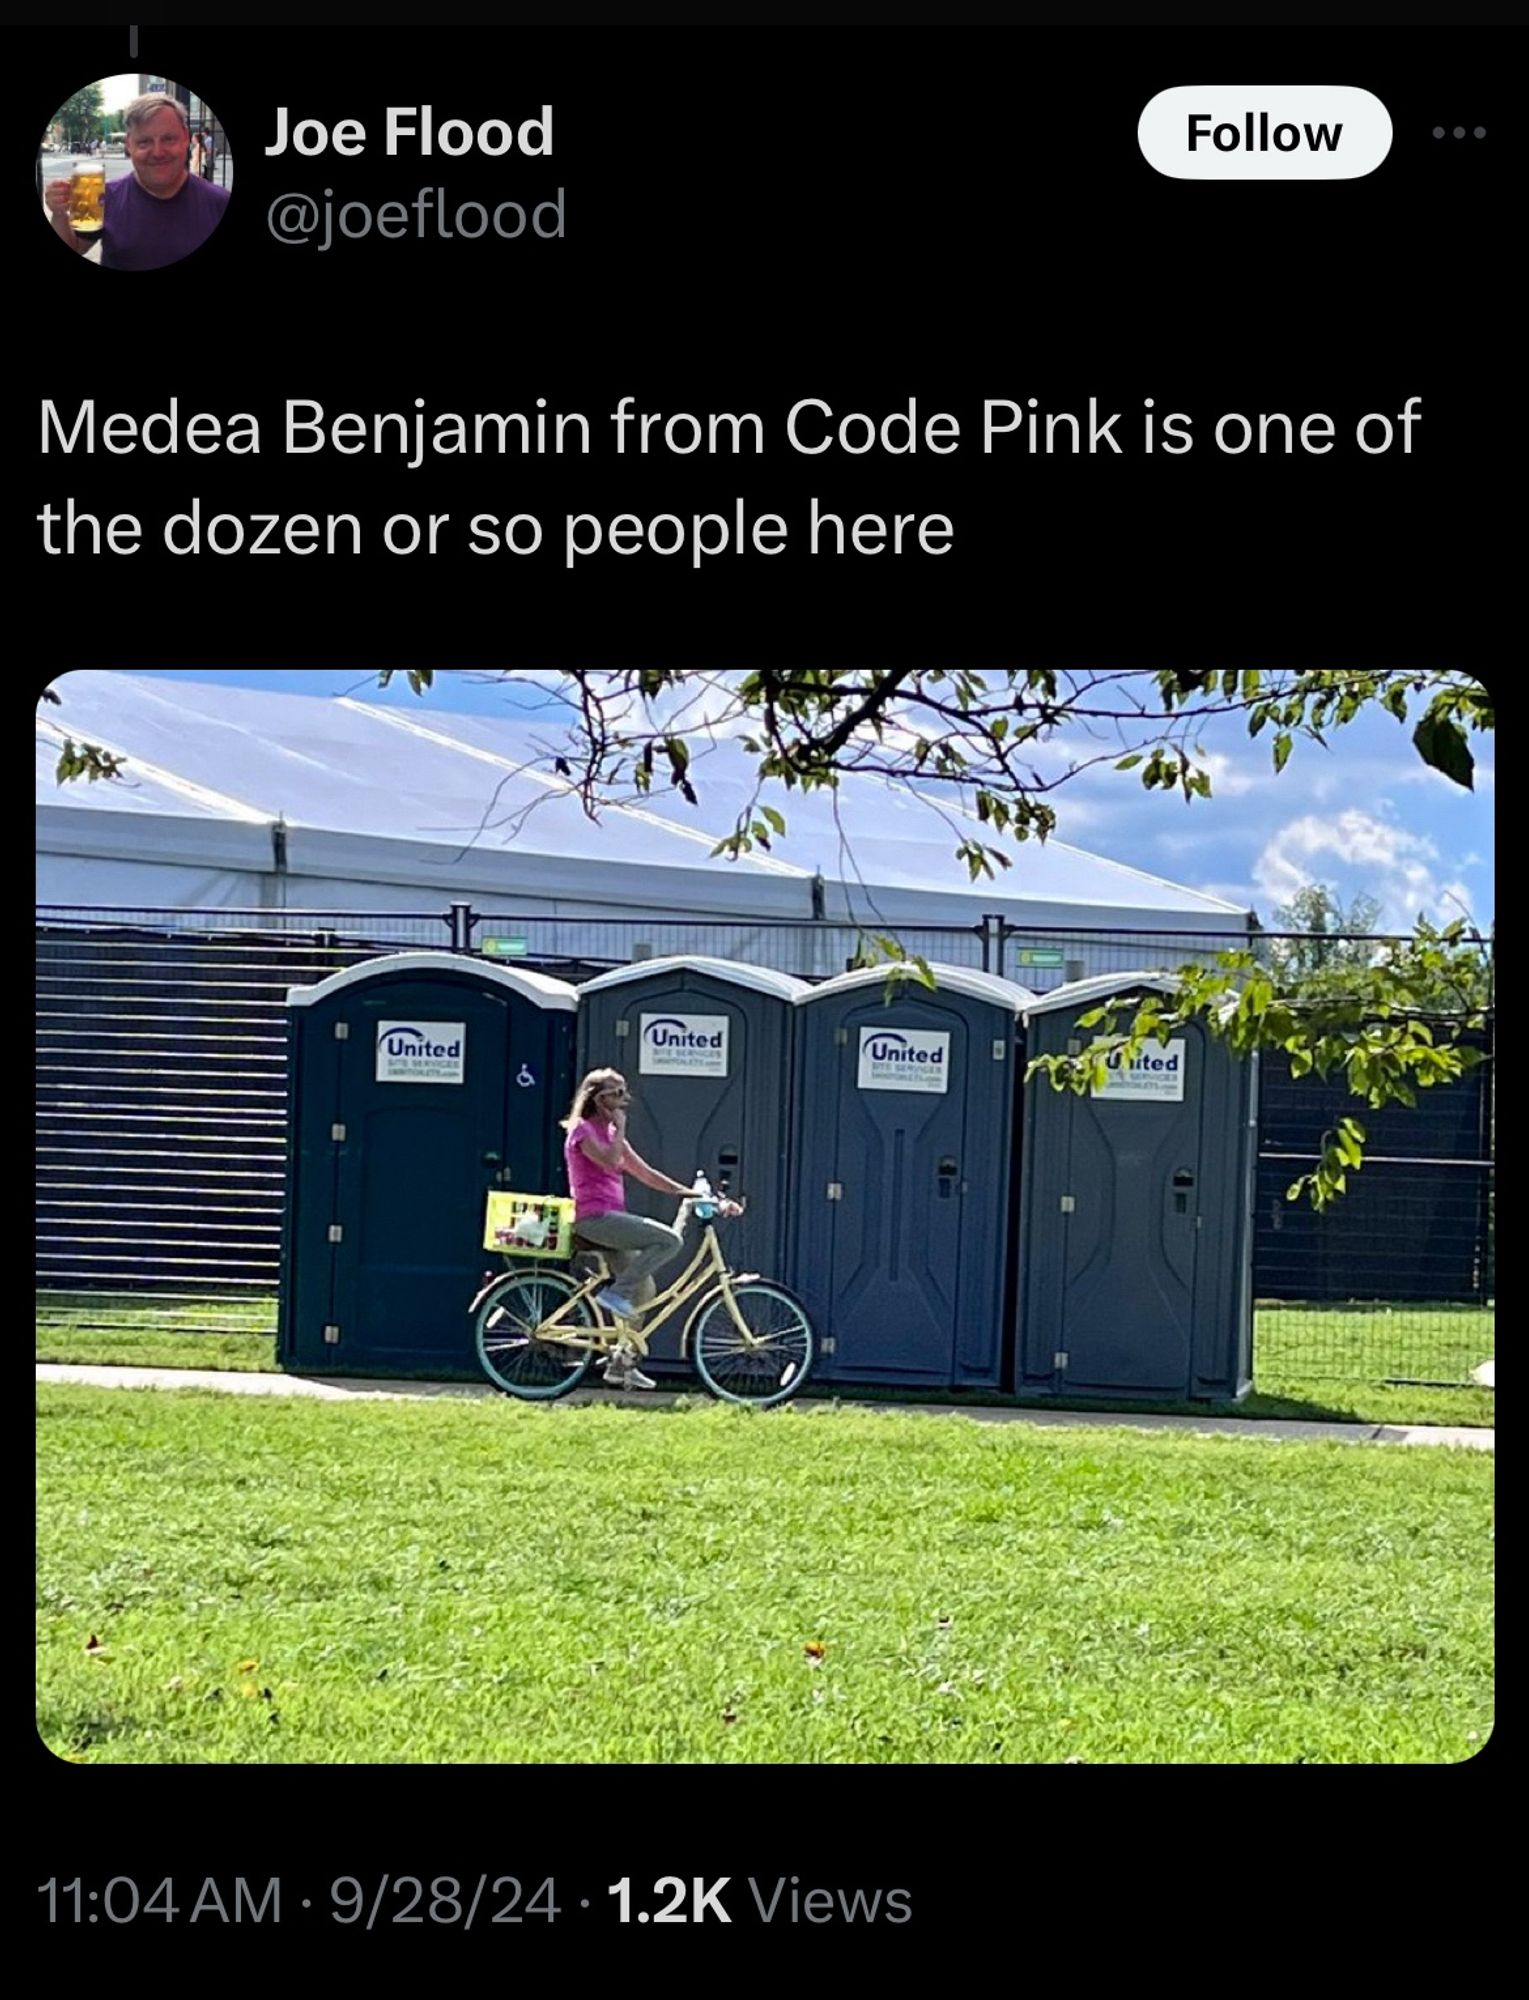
(705, 1275)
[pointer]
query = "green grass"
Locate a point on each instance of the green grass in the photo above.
(1306, 1401)
(1283, 1389)
(247, 1353)
(1367, 1343)
(297, 1582)
(116, 1330)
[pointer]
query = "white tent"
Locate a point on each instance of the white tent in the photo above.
(237, 798)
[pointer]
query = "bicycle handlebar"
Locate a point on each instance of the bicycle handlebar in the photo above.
(711, 1210)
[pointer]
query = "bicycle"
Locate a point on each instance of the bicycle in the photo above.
(537, 1331)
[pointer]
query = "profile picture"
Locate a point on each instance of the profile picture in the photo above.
(134, 173)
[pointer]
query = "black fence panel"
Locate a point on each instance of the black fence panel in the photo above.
(1413, 1224)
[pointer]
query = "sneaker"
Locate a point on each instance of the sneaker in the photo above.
(621, 1372)
(612, 1302)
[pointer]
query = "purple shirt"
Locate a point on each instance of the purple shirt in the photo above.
(596, 1190)
(142, 233)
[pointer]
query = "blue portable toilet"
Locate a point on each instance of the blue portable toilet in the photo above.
(903, 1151)
(706, 1045)
(1136, 1213)
(416, 1083)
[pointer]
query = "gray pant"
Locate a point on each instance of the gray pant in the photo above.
(635, 1247)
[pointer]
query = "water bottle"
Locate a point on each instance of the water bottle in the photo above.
(701, 1196)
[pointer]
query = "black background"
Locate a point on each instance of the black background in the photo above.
(755, 216)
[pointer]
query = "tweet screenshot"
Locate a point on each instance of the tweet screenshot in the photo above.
(764, 966)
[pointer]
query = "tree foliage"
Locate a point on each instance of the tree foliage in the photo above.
(1329, 937)
(1379, 1027)
(80, 117)
(1333, 956)
(982, 737)
(83, 760)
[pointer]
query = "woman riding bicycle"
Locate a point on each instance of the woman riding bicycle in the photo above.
(599, 1157)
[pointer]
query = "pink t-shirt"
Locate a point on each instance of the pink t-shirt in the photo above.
(596, 1190)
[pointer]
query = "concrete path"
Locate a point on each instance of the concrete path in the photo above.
(351, 1389)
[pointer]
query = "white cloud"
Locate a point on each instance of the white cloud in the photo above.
(1229, 779)
(1359, 852)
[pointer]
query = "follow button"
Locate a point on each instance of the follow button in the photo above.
(1271, 132)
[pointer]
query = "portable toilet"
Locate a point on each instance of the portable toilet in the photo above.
(416, 1083)
(903, 1151)
(1136, 1212)
(706, 1047)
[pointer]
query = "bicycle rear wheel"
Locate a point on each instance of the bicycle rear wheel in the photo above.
(768, 1365)
(515, 1356)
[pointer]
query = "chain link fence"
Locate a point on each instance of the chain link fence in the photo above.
(161, 1127)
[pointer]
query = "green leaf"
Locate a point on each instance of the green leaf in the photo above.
(1129, 763)
(777, 820)
(1442, 746)
(1283, 744)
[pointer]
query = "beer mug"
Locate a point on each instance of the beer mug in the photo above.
(87, 191)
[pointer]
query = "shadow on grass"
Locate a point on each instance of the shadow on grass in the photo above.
(1308, 1408)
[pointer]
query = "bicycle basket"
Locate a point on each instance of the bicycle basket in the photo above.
(528, 1225)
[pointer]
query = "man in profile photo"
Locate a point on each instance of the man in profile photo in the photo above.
(158, 213)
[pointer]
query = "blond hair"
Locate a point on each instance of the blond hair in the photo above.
(142, 109)
(584, 1097)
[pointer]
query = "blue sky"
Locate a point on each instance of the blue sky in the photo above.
(1365, 815)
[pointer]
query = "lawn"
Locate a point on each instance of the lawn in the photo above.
(222, 1580)
(1447, 1341)
(1368, 1343)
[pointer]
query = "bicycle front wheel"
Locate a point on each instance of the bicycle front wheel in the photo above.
(767, 1364)
(516, 1356)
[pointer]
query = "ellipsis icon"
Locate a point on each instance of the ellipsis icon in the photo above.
(1270, 132)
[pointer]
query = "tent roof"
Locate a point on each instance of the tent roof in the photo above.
(444, 802)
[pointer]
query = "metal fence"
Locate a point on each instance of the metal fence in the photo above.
(161, 1070)
(1396, 1279)
(161, 1118)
